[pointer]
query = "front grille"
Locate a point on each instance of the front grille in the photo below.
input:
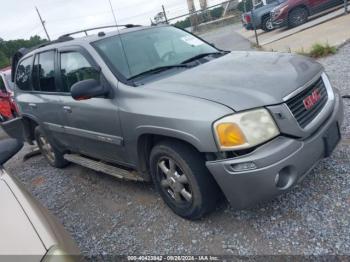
(296, 104)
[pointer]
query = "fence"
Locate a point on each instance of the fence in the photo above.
(197, 20)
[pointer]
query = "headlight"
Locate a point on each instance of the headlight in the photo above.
(245, 130)
(56, 254)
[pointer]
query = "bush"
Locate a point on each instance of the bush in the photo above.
(320, 50)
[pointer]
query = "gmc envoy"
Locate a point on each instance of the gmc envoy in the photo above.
(160, 104)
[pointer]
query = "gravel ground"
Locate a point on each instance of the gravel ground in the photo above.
(108, 216)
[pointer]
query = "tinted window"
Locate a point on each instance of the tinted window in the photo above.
(35, 74)
(23, 74)
(2, 85)
(74, 68)
(44, 71)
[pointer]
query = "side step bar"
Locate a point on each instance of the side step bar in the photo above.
(103, 167)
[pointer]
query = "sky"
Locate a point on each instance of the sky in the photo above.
(19, 19)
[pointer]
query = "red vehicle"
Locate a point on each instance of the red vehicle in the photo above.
(8, 108)
(293, 13)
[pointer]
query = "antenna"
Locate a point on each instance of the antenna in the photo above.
(120, 37)
(43, 24)
(115, 19)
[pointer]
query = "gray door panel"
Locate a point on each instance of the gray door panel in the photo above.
(93, 127)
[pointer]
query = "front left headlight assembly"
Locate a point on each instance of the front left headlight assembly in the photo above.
(245, 130)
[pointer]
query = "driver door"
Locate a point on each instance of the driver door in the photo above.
(93, 125)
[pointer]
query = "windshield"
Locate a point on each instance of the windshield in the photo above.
(150, 48)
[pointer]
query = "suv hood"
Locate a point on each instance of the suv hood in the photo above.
(243, 80)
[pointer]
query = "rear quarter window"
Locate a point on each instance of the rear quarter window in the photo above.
(23, 74)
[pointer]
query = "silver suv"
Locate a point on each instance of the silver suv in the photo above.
(160, 104)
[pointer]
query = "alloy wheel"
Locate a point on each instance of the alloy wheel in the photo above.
(174, 181)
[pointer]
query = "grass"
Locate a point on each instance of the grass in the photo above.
(319, 50)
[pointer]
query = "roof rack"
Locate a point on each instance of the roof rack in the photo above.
(96, 28)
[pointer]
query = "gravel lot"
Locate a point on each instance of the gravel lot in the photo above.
(108, 216)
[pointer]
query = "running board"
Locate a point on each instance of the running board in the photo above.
(103, 167)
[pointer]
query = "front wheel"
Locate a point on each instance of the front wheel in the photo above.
(182, 179)
(52, 154)
(267, 25)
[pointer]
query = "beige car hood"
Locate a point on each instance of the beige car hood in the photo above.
(17, 234)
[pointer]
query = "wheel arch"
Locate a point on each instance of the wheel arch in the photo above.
(29, 125)
(146, 141)
(300, 6)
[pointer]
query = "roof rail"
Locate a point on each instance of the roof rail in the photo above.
(96, 28)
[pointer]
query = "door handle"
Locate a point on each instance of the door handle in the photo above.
(32, 105)
(68, 109)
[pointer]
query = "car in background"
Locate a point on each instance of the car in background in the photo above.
(27, 228)
(261, 18)
(293, 13)
(8, 108)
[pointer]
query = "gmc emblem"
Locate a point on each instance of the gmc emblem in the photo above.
(312, 99)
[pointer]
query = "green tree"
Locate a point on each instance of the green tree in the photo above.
(9, 48)
(4, 61)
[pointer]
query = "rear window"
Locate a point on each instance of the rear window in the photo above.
(23, 74)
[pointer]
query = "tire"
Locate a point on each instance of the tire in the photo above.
(201, 193)
(297, 16)
(266, 24)
(50, 152)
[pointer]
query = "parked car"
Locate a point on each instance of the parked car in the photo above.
(27, 228)
(293, 13)
(195, 120)
(261, 17)
(8, 108)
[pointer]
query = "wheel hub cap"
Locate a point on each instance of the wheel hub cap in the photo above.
(174, 181)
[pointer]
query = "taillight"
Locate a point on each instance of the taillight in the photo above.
(247, 18)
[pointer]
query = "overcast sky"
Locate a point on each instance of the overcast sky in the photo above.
(20, 20)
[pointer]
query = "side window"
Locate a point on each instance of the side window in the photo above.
(23, 74)
(74, 68)
(44, 72)
(2, 85)
(35, 74)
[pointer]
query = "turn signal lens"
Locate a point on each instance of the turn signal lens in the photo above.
(230, 134)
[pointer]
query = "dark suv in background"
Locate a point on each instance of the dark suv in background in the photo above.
(293, 13)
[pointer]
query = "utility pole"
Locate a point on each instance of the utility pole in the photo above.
(115, 19)
(254, 25)
(166, 18)
(43, 24)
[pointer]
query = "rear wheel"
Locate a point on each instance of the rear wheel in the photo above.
(297, 16)
(182, 179)
(52, 155)
(267, 24)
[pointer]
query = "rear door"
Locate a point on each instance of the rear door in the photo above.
(39, 94)
(93, 125)
(317, 5)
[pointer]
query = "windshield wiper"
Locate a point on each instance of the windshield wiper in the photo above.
(202, 55)
(158, 70)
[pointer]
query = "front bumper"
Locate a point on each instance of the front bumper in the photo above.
(282, 159)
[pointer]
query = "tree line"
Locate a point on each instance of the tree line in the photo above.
(10, 47)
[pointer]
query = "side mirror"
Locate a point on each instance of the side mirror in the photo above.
(87, 89)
